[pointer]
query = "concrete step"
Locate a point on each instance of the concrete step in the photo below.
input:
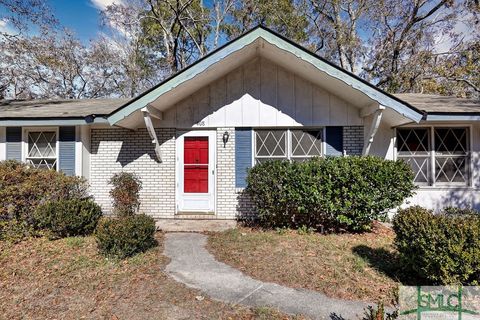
(194, 225)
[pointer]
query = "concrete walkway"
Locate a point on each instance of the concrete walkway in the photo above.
(194, 266)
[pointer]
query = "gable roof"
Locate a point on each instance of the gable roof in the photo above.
(281, 43)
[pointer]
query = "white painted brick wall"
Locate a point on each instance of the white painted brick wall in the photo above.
(115, 150)
(353, 138)
(226, 192)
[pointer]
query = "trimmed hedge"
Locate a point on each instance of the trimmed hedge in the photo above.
(67, 218)
(124, 237)
(333, 193)
(23, 189)
(439, 248)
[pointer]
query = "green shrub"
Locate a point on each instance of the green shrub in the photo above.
(439, 248)
(23, 188)
(13, 230)
(125, 193)
(126, 236)
(68, 218)
(331, 193)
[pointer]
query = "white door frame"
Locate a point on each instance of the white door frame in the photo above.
(196, 202)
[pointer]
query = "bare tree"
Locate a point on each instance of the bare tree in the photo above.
(391, 43)
(177, 28)
(21, 14)
(402, 35)
(335, 26)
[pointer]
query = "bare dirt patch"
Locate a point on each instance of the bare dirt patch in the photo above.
(347, 266)
(67, 279)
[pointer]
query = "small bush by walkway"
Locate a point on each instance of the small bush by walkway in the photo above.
(347, 266)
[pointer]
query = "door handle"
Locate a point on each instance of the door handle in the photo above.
(213, 172)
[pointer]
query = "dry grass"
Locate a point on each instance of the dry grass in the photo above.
(67, 279)
(347, 266)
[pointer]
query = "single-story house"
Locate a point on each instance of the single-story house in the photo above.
(192, 137)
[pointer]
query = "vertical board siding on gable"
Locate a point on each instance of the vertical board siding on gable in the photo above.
(14, 143)
(243, 155)
(334, 141)
(66, 149)
(262, 94)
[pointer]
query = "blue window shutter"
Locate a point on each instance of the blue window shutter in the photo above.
(243, 155)
(334, 141)
(14, 143)
(66, 149)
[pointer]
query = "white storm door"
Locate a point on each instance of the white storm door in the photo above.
(196, 171)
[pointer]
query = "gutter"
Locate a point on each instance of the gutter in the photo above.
(53, 121)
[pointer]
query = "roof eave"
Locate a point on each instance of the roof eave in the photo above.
(52, 121)
(453, 116)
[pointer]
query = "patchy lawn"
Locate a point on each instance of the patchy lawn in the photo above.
(67, 279)
(347, 266)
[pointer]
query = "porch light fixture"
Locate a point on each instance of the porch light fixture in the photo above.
(225, 137)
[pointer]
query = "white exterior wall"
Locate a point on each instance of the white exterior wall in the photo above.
(114, 150)
(3, 144)
(85, 138)
(260, 94)
(226, 193)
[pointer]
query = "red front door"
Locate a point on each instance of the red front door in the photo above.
(195, 161)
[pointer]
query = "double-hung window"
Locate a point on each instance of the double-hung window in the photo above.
(437, 155)
(41, 148)
(295, 144)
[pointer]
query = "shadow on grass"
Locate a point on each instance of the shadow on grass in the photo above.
(386, 262)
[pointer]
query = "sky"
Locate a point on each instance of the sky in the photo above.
(80, 16)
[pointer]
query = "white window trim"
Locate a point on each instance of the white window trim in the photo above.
(288, 142)
(441, 185)
(3, 143)
(26, 130)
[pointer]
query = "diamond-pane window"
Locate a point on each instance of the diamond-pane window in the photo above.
(42, 149)
(451, 155)
(451, 141)
(436, 155)
(413, 141)
(271, 143)
(413, 146)
(306, 143)
(420, 167)
(288, 144)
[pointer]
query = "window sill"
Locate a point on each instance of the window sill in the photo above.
(445, 187)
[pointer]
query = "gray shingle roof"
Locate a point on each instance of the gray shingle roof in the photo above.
(58, 108)
(432, 103)
(28, 109)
